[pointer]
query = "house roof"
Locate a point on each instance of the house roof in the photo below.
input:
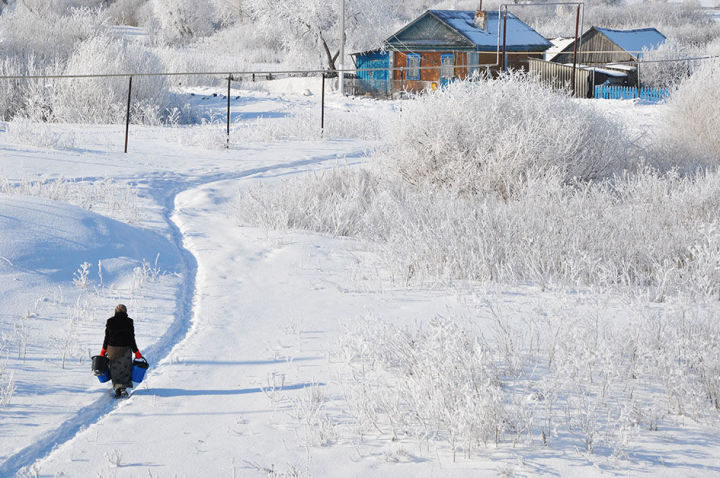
(634, 40)
(519, 35)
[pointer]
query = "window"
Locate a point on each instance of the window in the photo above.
(473, 61)
(413, 66)
(447, 66)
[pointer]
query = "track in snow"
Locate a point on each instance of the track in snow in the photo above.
(164, 190)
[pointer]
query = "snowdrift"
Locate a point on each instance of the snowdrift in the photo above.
(52, 238)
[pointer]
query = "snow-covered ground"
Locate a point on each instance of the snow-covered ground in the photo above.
(240, 324)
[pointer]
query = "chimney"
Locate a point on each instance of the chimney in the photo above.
(481, 19)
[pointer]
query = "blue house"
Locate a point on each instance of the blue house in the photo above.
(442, 45)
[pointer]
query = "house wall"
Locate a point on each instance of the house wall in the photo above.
(594, 41)
(433, 59)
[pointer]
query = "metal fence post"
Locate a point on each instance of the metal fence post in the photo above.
(322, 106)
(127, 117)
(504, 46)
(230, 77)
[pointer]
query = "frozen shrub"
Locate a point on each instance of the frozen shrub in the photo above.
(25, 33)
(28, 98)
(686, 22)
(497, 136)
(128, 12)
(438, 383)
(105, 99)
(25, 131)
(693, 118)
(181, 21)
(658, 231)
(568, 376)
(668, 74)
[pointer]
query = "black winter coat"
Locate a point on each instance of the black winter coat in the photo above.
(120, 332)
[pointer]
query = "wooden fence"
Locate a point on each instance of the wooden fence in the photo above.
(560, 76)
(652, 95)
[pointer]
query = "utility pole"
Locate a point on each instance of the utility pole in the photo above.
(575, 50)
(342, 46)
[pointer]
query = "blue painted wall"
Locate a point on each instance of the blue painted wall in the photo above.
(376, 80)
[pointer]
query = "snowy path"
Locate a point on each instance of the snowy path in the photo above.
(164, 188)
(265, 314)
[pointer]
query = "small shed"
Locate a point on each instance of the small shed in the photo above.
(603, 46)
(442, 45)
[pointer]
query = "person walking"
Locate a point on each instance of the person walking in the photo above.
(119, 345)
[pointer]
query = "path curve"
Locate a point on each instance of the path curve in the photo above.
(165, 192)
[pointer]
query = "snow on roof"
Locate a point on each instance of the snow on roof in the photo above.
(558, 45)
(519, 34)
(620, 66)
(605, 71)
(634, 40)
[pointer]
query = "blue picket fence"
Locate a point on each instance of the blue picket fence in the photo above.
(652, 95)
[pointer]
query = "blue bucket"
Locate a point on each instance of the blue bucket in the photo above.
(140, 366)
(104, 377)
(100, 368)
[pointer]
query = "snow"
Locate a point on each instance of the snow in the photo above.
(634, 40)
(605, 71)
(558, 45)
(240, 322)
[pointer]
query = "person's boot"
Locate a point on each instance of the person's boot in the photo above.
(118, 392)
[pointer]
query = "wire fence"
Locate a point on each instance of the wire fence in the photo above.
(395, 80)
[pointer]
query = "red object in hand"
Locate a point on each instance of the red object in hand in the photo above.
(103, 352)
(138, 355)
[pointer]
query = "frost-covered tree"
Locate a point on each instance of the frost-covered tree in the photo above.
(181, 21)
(310, 29)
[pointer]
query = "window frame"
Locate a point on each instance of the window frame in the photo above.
(409, 70)
(443, 57)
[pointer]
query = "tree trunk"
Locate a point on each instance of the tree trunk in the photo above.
(329, 56)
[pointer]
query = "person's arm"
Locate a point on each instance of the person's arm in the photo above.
(134, 344)
(105, 342)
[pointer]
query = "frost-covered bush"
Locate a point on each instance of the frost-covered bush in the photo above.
(693, 118)
(655, 72)
(181, 21)
(575, 376)
(48, 35)
(128, 12)
(686, 22)
(657, 234)
(497, 136)
(25, 131)
(438, 383)
(29, 98)
(105, 99)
